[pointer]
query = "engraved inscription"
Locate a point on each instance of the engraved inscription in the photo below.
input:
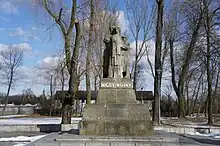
(117, 85)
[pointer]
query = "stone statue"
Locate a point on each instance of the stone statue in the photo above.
(115, 62)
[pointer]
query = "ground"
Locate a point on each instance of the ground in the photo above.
(191, 121)
(19, 138)
(31, 120)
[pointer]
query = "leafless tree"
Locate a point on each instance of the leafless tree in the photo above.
(12, 59)
(192, 17)
(158, 64)
(89, 52)
(210, 17)
(27, 94)
(66, 24)
(140, 14)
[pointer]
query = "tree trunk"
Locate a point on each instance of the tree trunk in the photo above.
(197, 93)
(185, 67)
(135, 63)
(89, 53)
(208, 68)
(67, 103)
(8, 91)
(170, 107)
(73, 81)
(51, 94)
(158, 65)
(95, 83)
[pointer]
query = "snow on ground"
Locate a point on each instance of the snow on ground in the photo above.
(11, 116)
(21, 140)
(34, 121)
(213, 135)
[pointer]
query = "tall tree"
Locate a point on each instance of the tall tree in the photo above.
(66, 26)
(12, 59)
(158, 64)
(211, 10)
(192, 20)
(89, 53)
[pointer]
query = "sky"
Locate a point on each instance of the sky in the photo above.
(21, 25)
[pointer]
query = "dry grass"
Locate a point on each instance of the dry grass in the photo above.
(199, 121)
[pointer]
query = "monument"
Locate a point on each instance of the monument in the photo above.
(116, 111)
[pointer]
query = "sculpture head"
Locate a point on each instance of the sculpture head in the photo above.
(115, 30)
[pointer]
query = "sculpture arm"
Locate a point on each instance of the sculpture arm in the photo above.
(106, 39)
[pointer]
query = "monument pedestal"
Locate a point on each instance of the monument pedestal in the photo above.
(116, 112)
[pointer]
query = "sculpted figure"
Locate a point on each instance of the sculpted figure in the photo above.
(125, 55)
(115, 62)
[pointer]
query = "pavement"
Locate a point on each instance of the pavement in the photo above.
(160, 138)
(72, 137)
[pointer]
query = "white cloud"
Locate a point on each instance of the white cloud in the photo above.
(22, 46)
(49, 62)
(3, 47)
(27, 35)
(145, 80)
(17, 32)
(151, 53)
(8, 7)
(122, 21)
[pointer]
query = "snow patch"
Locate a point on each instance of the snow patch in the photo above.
(34, 121)
(21, 140)
(213, 135)
(12, 116)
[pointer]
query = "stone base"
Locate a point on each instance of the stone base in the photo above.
(116, 119)
(159, 138)
(116, 112)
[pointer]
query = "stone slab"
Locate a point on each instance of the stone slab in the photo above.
(116, 119)
(116, 111)
(116, 83)
(116, 96)
(158, 138)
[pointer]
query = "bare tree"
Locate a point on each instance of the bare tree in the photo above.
(209, 24)
(12, 59)
(140, 15)
(158, 64)
(191, 10)
(89, 53)
(66, 24)
(27, 95)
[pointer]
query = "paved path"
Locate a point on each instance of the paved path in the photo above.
(159, 138)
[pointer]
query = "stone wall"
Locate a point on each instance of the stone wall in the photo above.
(16, 109)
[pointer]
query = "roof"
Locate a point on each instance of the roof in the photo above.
(140, 95)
